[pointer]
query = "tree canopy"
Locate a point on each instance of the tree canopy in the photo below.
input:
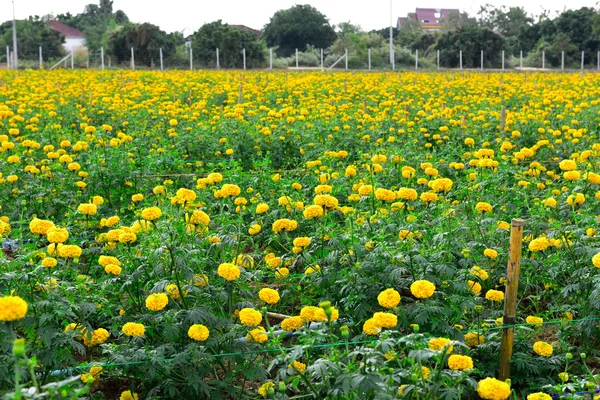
(32, 33)
(298, 27)
(146, 39)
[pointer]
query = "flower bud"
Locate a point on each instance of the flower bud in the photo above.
(415, 328)
(508, 382)
(583, 356)
(344, 331)
(19, 347)
(271, 393)
(569, 356)
(282, 387)
(325, 305)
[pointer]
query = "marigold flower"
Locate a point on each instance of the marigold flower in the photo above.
(69, 251)
(437, 344)
(475, 287)
(292, 323)
(113, 269)
(385, 320)
(49, 262)
(543, 349)
(254, 229)
(473, 339)
(536, 321)
(257, 335)
(40, 226)
(301, 242)
(265, 388)
(491, 253)
(198, 332)
(57, 235)
(250, 317)
(228, 271)
(157, 301)
(12, 308)
(127, 395)
(493, 389)
(389, 298)
(268, 295)
(457, 362)
(133, 329)
(98, 336)
(151, 213)
(87, 209)
(422, 289)
(596, 260)
(539, 396)
(370, 327)
(313, 211)
(494, 295)
(483, 207)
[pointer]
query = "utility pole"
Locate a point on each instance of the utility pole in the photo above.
(391, 35)
(15, 54)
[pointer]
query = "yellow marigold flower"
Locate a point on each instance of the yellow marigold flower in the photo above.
(250, 317)
(385, 320)
(550, 202)
(438, 344)
(292, 323)
(40, 226)
(173, 290)
(98, 336)
(284, 225)
(151, 213)
(441, 185)
(474, 339)
(87, 209)
(422, 289)
(576, 199)
(69, 251)
(198, 332)
(539, 396)
(428, 197)
(407, 194)
(269, 296)
(133, 329)
(475, 287)
(12, 308)
(127, 395)
(494, 295)
(257, 335)
(536, 321)
(491, 253)
(274, 262)
(297, 365)
(94, 373)
(262, 208)
(49, 262)
(493, 389)
(136, 198)
(389, 298)
(457, 362)
(425, 372)
(301, 242)
(572, 175)
(483, 207)
(370, 327)
(113, 269)
(596, 260)
(157, 301)
(385, 195)
(326, 201)
(567, 165)
(313, 211)
(57, 235)
(127, 237)
(266, 388)
(106, 260)
(254, 229)
(543, 349)
(478, 271)
(313, 314)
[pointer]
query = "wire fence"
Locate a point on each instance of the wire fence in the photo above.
(318, 59)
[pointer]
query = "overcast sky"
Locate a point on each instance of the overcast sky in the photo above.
(189, 15)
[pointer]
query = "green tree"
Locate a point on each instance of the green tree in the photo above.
(31, 34)
(146, 39)
(470, 40)
(298, 27)
(230, 41)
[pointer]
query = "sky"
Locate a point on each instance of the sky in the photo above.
(189, 15)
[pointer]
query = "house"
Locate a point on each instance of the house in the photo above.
(427, 18)
(246, 28)
(74, 38)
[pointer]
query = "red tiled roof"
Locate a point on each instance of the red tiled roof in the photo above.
(429, 15)
(65, 30)
(247, 28)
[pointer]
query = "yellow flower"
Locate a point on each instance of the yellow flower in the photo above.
(474, 287)
(12, 308)
(56, 235)
(228, 271)
(437, 344)
(425, 372)
(266, 388)
(389, 298)
(301, 242)
(250, 317)
(539, 396)
(313, 211)
(151, 213)
(473, 339)
(370, 327)
(297, 365)
(49, 262)
(127, 395)
(543, 349)
(490, 253)
(254, 229)
(113, 269)
(69, 251)
(173, 290)
(422, 289)
(257, 335)
(494, 295)
(157, 301)
(483, 207)
(596, 260)
(98, 336)
(292, 324)
(40, 226)
(133, 329)
(385, 320)
(458, 362)
(535, 321)
(269, 296)
(493, 389)
(106, 260)
(87, 209)
(198, 332)
(137, 197)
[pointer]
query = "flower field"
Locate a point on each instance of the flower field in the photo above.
(297, 235)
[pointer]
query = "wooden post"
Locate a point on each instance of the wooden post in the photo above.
(369, 57)
(502, 113)
(510, 302)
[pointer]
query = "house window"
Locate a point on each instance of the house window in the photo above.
(437, 15)
(425, 21)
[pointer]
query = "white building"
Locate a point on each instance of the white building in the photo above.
(74, 38)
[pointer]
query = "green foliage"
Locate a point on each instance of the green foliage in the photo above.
(32, 33)
(297, 28)
(146, 39)
(471, 40)
(230, 41)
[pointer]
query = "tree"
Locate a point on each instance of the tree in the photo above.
(146, 39)
(506, 22)
(230, 41)
(298, 27)
(32, 33)
(470, 40)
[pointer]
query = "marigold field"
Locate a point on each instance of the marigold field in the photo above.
(190, 235)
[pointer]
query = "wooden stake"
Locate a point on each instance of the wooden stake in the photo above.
(502, 119)
(241, 96)
(510, 300)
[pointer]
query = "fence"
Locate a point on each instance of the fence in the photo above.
(373, 59)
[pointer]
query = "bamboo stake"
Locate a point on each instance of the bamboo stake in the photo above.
(510, 302)
(502, 119)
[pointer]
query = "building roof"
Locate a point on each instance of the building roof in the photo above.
(432, 17)
(246, 28)
(65, 30)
